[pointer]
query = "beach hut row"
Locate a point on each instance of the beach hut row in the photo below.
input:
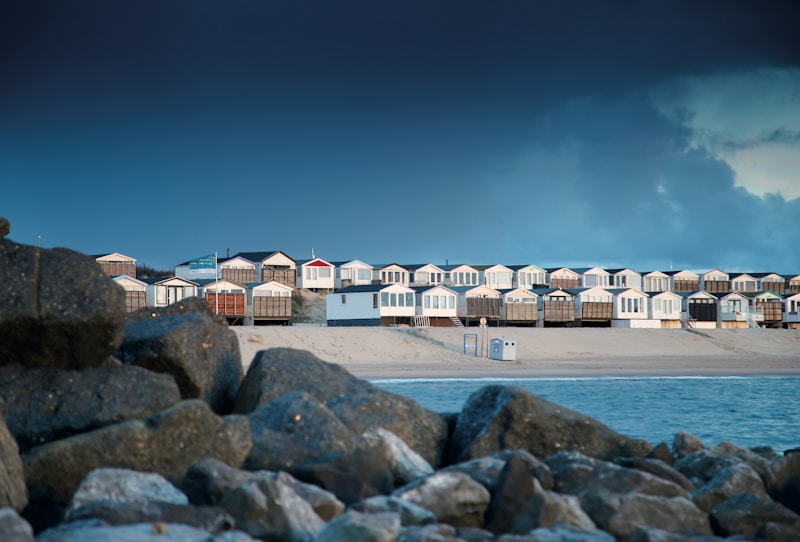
(505, 295)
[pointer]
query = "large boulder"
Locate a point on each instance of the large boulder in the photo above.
(508, 417)
(167, 443)
(59, 309)
(359, 405)
(730, 481)
(50, 404)
(190, 343)
(745, 514)
(13, 493)
(453, 497)
(125, 485)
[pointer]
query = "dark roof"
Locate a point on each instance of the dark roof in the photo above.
(546, 291)
(261, 255)
(361, 288)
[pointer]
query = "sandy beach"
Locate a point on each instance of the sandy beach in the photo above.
(388, 352)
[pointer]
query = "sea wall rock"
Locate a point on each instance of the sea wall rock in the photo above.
(50, 404)
(359, 405)
(453, 497)
(13, 527)
(13, 492)
(509, 417)
(167, 443)
(746, 514)
(59, 309)
(187, 341)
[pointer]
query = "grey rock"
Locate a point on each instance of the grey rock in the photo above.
(651, 534)
(359, 405)
(208, 518)
(296, 431)
(270, 510)
(745, 513)
(657, 468)
(405, 464)
(139, 532)
(50, 404)
(114, 484)
(59, 309)
(738, 478)
(560, 533)
(514, 487)
(575, 473)
(789, 494)
(13, 527)
(663, 453)
(508, 417)
(620, 515)
(702, 465)
(352, 477)
(785, 467)
(536, 466)
(686, 443)
(439, 532)
(410, 513)
(357, 527)
(484, 470)
(759, 463)
(190, 343)
(548, 509)
(455, 498)
(167, 443)
(13, 492)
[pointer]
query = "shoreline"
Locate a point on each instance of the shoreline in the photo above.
(384, 353)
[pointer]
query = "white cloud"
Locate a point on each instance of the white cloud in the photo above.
(751, 120)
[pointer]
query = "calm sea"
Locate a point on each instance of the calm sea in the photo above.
(749, 411)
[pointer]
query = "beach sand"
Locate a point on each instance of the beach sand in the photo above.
(400, 352)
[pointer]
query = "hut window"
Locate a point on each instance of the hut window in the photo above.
(363, 274)
(409, 299)
(426, 300)
(657, 304)
(344, 299)
(436, 302)
(384, 299)
(393, 298)
(374, 301)
(325, 272)
(452, 302)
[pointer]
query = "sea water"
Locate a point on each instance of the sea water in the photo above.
(748, 411)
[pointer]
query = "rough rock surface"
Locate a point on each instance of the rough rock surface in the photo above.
(189, 342)
(59, 309)
(51, 404)
(509, 417)
(453, 497)
(13, 493)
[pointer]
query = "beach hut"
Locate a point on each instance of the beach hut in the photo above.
(460, 275)
(238, 269)
(744, 282)
(268, 303)
(371, 305)
(656, 281)
(477, 302)
(683, 281)
(630, 309)
(736, 310)
(225, 297)
(770, 305)
(135, 292)
(352, 273)
(699, 309)
(594, 307)
(793, 283)
(772, 282)
(715, 281)
(624, 278)
(161, 292)
(497, 277)
(562, 277)
(519, 307)
(589, 277)
(392, 273)
(528, 276)
(436, 306)
(556, 307)
(115, 264)
(666, 308)
(272, 265)
(425, 275)
(316, 275)
(791, 311)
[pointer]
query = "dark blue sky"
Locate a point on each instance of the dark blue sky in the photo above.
(613, 133)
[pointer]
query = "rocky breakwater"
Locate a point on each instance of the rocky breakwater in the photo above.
(158, 435)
